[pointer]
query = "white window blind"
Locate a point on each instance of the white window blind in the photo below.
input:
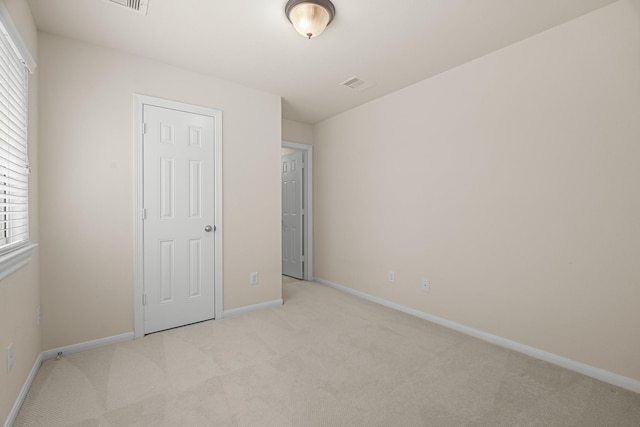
(14, 167)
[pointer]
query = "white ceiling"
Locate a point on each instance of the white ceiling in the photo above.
(392, 43)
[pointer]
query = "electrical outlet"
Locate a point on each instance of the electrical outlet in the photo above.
(9, 357)
(253, 278)
(392, 276)
(426, 286)
(39, 314)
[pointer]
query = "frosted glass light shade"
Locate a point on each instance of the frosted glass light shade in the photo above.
(310, 18)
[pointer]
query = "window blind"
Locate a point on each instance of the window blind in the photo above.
(14, 167)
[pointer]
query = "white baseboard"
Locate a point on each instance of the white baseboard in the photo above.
(23, 393)
(52, 354)
(254, 307)
(582, 368)
(88, 345)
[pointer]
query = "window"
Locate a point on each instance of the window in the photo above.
(15, 247)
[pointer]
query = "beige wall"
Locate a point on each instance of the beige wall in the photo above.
(511, 182)
(301, 133)
(20, 292)
(87, 185)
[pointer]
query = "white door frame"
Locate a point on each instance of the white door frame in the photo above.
(307, 156)
(138, 287)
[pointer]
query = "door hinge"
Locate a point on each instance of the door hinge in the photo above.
(144, 128)
(144, 213)
(144, 299)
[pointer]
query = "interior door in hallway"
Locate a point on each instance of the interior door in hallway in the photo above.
(292, 216)
(178, 176)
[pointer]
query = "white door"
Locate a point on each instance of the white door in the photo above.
(292, 216)
(178, 188)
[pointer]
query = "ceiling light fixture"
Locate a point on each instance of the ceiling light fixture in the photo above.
(310, 17)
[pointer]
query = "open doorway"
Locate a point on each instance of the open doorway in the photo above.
(297, 215)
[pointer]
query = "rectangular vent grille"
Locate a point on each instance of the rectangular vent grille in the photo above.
(139, 6)
(356, 83)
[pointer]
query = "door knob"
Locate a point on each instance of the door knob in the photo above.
(208, 228)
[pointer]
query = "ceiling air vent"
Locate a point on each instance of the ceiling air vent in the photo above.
(356, 83)
(139, 6)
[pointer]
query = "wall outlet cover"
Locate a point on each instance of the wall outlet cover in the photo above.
(253, 278)
(9, 357)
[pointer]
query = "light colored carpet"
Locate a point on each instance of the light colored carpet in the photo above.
(325, 358)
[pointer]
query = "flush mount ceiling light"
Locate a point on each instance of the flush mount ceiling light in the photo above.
(310, 17)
